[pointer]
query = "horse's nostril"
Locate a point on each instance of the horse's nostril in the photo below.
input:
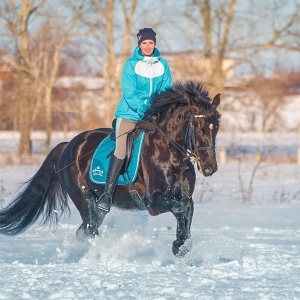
(208, 170)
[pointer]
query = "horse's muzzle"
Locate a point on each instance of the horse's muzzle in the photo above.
(208, 170)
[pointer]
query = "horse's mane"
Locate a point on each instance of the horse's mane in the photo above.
(181, 94)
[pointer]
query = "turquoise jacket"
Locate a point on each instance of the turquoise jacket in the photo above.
(142, 76)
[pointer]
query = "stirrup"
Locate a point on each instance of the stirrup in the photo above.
(104, 203)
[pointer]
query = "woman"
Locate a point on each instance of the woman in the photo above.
(143, 75)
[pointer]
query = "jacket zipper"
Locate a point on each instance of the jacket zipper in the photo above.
(150, 91)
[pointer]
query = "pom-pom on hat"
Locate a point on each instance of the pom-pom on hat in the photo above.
(146, 34)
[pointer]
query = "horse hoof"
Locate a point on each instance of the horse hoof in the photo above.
(181, 250)
(84, 233)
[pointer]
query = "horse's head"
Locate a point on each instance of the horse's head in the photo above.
(187, 117)
(200, 133)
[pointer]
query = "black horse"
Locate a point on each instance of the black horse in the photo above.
(181, 127)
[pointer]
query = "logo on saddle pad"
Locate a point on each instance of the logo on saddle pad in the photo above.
(97, 172)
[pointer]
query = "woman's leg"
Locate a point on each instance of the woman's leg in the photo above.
(123, 127)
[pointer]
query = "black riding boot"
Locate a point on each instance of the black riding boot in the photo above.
(115, 165)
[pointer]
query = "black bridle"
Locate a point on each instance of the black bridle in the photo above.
(189, 136)
(190, 151)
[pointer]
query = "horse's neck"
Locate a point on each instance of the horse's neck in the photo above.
(172, 123)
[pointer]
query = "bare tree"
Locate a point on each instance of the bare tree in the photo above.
(241, 32)
(258, 102)
(17, 18)
(107, 10)
(38, 46)
(48, 50)
(103, 29)
(269, 95)
(129, 13)
(247, 189)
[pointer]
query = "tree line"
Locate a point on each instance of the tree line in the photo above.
(42, 40)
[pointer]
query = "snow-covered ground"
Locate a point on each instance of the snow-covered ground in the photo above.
(240, 251)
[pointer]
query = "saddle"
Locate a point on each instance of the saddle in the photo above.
(129, 170)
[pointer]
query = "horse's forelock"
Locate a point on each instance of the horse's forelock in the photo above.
(197, 93)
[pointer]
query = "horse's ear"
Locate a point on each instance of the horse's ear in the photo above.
(216, 100)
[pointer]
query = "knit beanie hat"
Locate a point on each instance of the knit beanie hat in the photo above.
(146, 34)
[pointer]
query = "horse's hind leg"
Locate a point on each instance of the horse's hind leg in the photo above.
(90, 215)
(184, 216)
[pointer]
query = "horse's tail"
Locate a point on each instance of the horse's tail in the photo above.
(42, 197)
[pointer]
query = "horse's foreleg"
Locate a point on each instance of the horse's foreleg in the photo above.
(184, 217)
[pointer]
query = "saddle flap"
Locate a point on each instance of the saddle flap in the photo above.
(113, 132)
(100, 161)
(131, 137)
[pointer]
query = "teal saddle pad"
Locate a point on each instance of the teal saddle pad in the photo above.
(100, 161)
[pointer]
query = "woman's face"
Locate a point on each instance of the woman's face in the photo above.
(147, 47)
